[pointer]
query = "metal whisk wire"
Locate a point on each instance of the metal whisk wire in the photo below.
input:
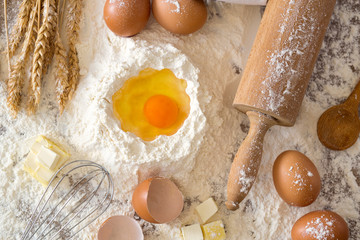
(47, 227)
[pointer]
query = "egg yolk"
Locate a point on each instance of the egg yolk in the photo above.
(151, 104)
(161, 111)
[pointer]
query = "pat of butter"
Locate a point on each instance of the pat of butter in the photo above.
(43, 141)
(35, 148)
(214, 231)
(192, 232)
(206, 210)
(30, 164)
(47, 158)
(40, 173)
(44, 159)
(44, 175)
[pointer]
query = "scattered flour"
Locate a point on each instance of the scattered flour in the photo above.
(176, 5)
(298, 174)
(284, 82)
(320, 228)
(120, 3)
(244, 180)
(199, 156)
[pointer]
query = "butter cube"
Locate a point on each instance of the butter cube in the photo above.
(47, 158)
(40, 173)
(44, 159)
(206, 210)
(35, 148)
(214, 231)
(30, 164)
(192, 232)
(43, 175)
(64, 156)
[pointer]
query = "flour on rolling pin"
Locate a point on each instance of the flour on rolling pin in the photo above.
(298, 42)
(287, 62)
(275, 79)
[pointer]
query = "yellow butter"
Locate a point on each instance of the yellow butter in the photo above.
(206, 210)
(47, 158)
(64, 156)
(35, 148)
(30, 164)
(192, 232)
(44, 168)
(43, 175)
(37, 171)
(214, 231)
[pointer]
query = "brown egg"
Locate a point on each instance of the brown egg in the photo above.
(157, 200)
(120, 228)
(180, 16)
(296, 178)
(324, 225)
(126, 18)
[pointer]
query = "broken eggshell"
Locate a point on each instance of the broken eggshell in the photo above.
(157, 200)
(120, 228)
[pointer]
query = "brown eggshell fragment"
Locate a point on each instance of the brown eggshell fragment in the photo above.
(180, 16)
(120, 228)
(325, 225)
(126, 18)
(296, 178)
(165, 201)
(157, 200)
(139, 201)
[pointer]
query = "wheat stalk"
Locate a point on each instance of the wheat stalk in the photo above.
(19, 28)
(17, 74)
(61, 74)
(61, 10)
(73, 28)
(7, 35)
(42, 46)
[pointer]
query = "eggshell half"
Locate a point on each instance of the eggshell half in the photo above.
(120, 228)
(157, 200)
(320, 225)
(296, 178)
(139, 201)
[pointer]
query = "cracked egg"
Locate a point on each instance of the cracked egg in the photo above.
(151, 104)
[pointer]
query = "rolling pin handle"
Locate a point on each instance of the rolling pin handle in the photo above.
(247, 160)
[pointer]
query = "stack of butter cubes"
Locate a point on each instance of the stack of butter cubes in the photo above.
(44, 160)
(207, 231)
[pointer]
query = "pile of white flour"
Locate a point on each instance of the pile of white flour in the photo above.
(199, 155)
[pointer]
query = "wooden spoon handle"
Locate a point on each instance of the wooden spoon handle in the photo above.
(247, 160)
(354, 98)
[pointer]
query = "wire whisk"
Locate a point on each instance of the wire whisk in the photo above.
(76, 196)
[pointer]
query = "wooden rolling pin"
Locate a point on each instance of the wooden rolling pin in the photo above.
(275, 80)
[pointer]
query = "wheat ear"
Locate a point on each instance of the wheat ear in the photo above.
(17, 74)
(50, 51)
(19, 28)
(61, 74)
(73, 28)
(41, 48)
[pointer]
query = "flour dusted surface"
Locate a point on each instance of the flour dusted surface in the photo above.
(212, 61)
